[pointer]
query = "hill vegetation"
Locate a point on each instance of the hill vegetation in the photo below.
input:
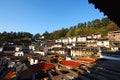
(96, 26)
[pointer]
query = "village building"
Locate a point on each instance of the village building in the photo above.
(25, 49)
(60, 44)
(19, 53)
(58, 41)
(114, 35)
(81, 38)
(115, 45)
(81, 44)
(114, 38)
(84, 51)
(32, 47)
(72, 39)
(1, 47)
(91, 40)
(92, 44)
(40, 51)
(9, 48)
(69, 46)
(59, 50)
(96, 36)
(103, 42)
(89, 37)
(65, 41)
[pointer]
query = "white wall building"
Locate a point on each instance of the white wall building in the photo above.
(91, 40)
(72, 40)
(61, 52)
(57, 45)
(69, 46)
(1, 49)
(89, 37)
(11, 64)
(81, 39)
(18, 48)
(40, 52)
(59, 40)
(19, 53)
(31, 47)
(103, 43)
(115, 48)
(33, 61)
(96, 36)
(114, 35)
(58, 50)
(65, 41)
(68, 58)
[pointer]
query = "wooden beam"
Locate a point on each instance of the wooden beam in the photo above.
(83, 77)
(94, 76)
(33, 76)
(66, 78)
(1, 68)
(107, 71)
(84, 67)
(18, 73)
(58, 77)
(79, 70)
(72, 72)
(51, 76)
(109, 76)
(66, 69)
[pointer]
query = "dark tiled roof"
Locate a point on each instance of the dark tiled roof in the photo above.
(101, 69)
(109, 8)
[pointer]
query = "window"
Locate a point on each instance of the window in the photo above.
(113, 35)
(18, 54)
(102, 42)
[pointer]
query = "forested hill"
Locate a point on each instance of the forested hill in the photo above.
(96, 26)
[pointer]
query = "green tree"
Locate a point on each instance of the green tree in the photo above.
(112, 27)
(37, 36)
(77, 32)
(96, 23)
(71, 32)
(46, 35)
(89, 24)
(105, 21)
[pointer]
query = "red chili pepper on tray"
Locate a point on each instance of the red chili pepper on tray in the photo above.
(42, 66)
(88, 60)
(70, 63)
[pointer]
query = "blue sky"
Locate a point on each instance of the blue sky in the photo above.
(38, 16)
